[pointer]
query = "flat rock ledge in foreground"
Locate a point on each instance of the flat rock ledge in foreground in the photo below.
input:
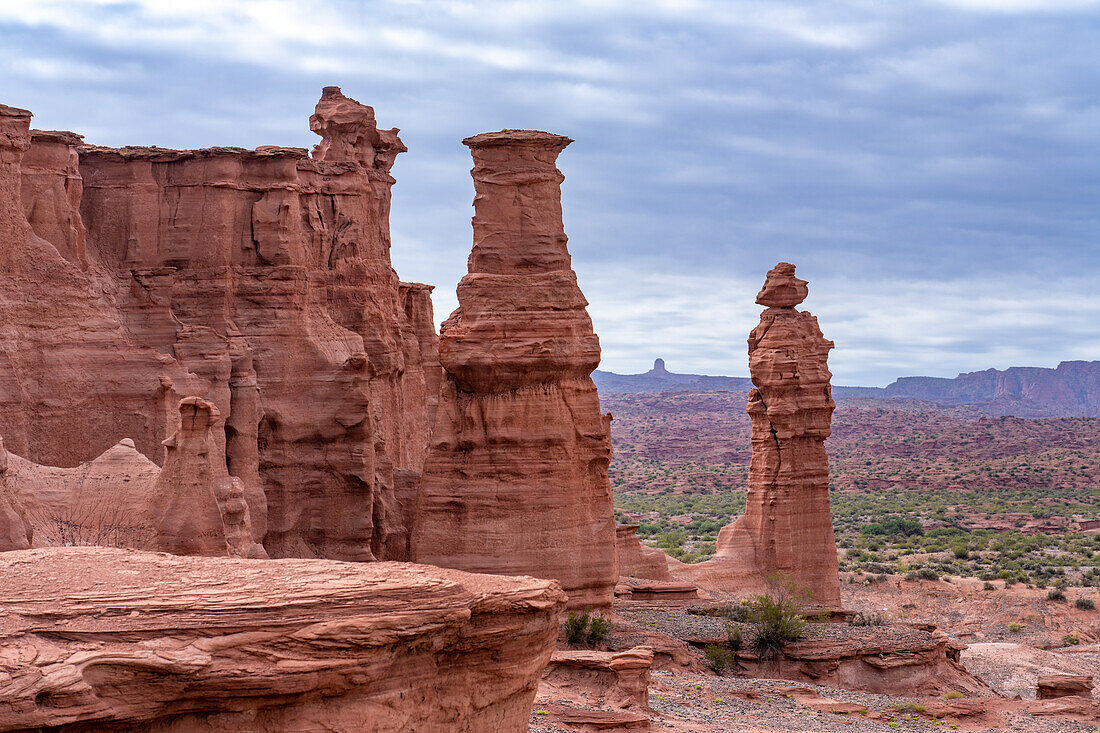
(102, 639)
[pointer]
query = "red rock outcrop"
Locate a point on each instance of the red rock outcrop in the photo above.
(1052, 686)
(787, 528)
(71, 381)
(909, 663)
(16, 532)
(604, 679)
(516, 477)
(100, 639)
(637, 560)
(257, 280)
(122, 499)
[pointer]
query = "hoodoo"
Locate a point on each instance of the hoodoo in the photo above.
(516, 480)
(787, 528)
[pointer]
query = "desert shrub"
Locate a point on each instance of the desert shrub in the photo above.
(1015, 627)
(777, 614)
(1085, 604)
(909, 707)
(718, 657)
(1070, 640)
(961, 551)
(928, 574)
(1056, 594)
(738, 612)
(867, 619)
(586, 626)
(953, 695)
(576, 627)
(912, 575)
(598, 626)
(988, 586)
(734, 638)
(894, 526)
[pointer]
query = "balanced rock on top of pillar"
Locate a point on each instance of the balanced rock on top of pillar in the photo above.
(787, 528)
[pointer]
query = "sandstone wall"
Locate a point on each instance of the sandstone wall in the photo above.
(516, 477)
(259, 281)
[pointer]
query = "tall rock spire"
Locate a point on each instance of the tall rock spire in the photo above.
(787, 528)
(516, 477)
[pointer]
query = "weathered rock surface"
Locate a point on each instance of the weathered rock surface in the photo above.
(103, 639)
(191, 506)
(1014, 670)
(16, 532)
(71, 381)
(516, 477)
(256, 280)
(1063, 685)
(917, 664)
(637, 560)
(787, 528)
(617, 680)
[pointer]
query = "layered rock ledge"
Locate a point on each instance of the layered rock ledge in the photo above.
(97, 639)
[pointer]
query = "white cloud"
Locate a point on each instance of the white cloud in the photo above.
(1021, 6)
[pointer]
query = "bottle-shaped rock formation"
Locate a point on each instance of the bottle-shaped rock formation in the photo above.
(787, 529)
(516, 477)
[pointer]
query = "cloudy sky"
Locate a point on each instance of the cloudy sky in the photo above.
(931, 166)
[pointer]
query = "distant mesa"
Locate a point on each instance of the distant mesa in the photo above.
(1070, 390)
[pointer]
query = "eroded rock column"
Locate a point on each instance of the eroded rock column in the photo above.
(787, 528)
(516, 481)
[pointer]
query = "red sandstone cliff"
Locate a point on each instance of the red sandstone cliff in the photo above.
(516, 476)
(787, 528)
(259, 281)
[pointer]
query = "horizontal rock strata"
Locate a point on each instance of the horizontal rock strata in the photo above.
(516, 477)
(99, 639)
(787, 528)
(256, 280)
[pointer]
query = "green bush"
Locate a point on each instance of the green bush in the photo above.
(1056, 594)
(988, 586)
(1070, 640)
(733, 637)
(598, 626)
(1085, 604)
(777, 614)
(718, 657)
(928, 574)
(576, 627)
(1015, 627)
(894, 526)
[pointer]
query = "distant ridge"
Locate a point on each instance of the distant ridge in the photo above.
(1070, 390)
(659, 379)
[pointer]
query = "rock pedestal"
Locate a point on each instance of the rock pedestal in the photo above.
(516, 480)
(637, 560)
